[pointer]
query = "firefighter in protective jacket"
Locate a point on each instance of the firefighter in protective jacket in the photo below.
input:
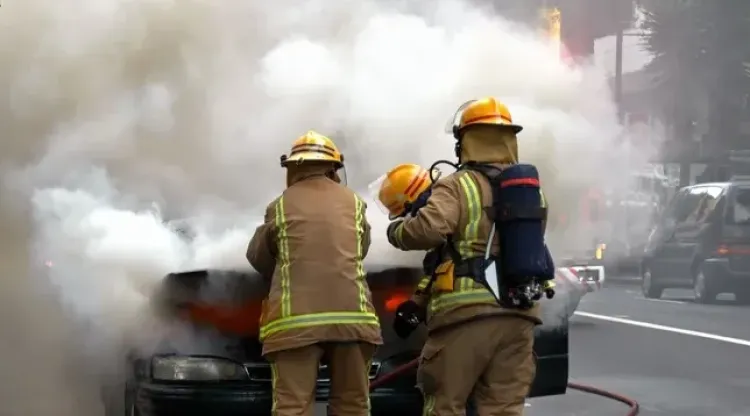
(475, 347)
(402, 192)
(311, 247)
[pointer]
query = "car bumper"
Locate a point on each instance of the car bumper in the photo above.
(155, 398)
(167, 400)
(724, 272)
(397, 396)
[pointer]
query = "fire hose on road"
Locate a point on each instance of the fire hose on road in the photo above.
(411, 365)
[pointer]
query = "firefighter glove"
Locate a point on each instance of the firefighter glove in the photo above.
(408, 317)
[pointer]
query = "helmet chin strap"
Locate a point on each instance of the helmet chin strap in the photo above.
(457, 146)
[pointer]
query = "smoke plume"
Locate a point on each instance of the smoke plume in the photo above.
(120, 118)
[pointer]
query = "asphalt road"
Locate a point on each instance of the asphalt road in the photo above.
(668, 354)
(675, 357)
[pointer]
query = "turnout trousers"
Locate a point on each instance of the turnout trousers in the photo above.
(490, 360)
(295, 373)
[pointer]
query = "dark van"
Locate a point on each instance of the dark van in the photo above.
(701, 241)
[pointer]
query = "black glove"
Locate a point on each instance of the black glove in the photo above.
(408, 317)
(392, 233)
(418, 203)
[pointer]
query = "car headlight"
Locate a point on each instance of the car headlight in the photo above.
(180, 368)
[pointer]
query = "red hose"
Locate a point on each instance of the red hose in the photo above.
(396, 372)
(400, 370)
(634, 406)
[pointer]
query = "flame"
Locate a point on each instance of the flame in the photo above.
(392, 303)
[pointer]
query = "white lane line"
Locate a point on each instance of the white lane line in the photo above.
(698, 334)
(677, 302)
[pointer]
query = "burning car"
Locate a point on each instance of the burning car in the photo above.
(225, 373)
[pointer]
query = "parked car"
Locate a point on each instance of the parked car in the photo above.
(701, 241)
(228, 376)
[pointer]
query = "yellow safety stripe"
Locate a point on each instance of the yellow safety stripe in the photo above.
(317, 319)
(474, 206)
(367, 377)
(359, 220)
(398, 235)
(424, 282)
(274, 392)
(428, 408)
(450, 300)
(283, 249)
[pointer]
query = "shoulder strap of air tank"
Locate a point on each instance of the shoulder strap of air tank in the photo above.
(492, 173)
(489, 171)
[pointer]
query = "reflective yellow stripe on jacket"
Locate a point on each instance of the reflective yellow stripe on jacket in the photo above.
(290, 321)
(423, 283)
(283, 249)
(359, 221)
(465, 289)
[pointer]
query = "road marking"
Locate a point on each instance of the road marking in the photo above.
(678, 302)
(698, 334)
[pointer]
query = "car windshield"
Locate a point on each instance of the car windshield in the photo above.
(739, 210)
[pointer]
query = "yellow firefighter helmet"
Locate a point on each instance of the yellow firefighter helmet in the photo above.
(483, 111)
(401, 186)
(313, 147)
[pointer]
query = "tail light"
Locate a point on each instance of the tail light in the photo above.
(726, 249)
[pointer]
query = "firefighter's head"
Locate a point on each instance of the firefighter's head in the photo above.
(401, 187)
(485, 132)
(313, 154)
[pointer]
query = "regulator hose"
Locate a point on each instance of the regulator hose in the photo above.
(436, 173)
(413, 364)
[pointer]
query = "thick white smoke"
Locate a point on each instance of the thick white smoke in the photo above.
(122, 115)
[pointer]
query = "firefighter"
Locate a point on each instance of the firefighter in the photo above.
(311, 248)
(399, 193)
(475, 346)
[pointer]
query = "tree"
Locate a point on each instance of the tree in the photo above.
(727, 33)
(672, 34)
(699, 49)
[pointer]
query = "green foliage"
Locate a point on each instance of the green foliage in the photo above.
(674, 33)
(701, 51)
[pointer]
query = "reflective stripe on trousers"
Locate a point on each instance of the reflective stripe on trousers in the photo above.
(429, 405)
(274, 391)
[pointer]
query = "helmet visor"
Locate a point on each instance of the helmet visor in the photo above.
(387, 201)
(455, 121)
(341, 175)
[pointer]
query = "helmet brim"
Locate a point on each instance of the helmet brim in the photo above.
(310, 157)
(499, 122)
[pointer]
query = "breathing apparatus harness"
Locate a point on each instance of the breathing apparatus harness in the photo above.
(524, 268)
(523, 271)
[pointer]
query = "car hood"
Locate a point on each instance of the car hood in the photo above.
(230, 300)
